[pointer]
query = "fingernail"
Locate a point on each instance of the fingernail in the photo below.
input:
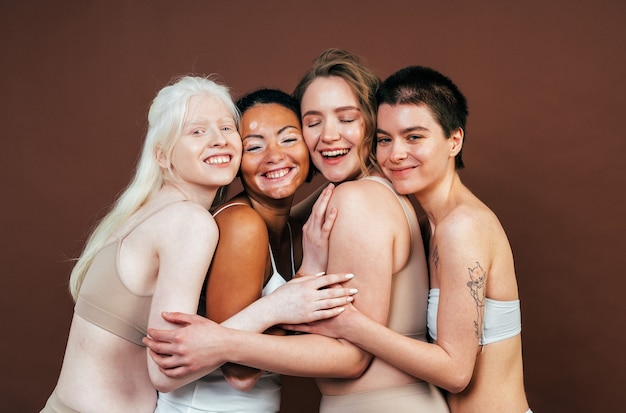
(353, 291)
(349, 299)
(348, 276)
(341, 309)
(320, 273)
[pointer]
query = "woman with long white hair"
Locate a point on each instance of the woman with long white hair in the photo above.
(150, 252)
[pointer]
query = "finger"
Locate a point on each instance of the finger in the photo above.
(177, 318)
(166, 336)
(330, 279)
(158, 347)
(345, 294)
(331, 217)
(166, 362)
(333, 303)
(324, 314)
(323, 200)
(321, 204)
(174, 372)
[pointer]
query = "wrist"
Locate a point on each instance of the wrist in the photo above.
(305, 270)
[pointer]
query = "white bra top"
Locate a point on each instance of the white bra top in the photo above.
(501, 319)
(276, 280)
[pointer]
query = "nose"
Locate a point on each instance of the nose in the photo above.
(217, 138)
(275, 153)
(398, 151)
(330, 132)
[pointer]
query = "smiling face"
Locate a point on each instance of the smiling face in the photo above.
(208, 153)
(412, 148)
(275, 159)
(333, 128)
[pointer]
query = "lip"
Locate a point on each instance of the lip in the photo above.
(401, 171)
(221, 159)
(333, 153)
(277, 173)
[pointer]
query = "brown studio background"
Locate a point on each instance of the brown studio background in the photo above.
(545, 142)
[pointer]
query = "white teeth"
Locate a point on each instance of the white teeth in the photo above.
(218, 160)
(337, 152)
(277, 174)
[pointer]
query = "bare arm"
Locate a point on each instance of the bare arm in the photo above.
(236, 276)
(201, 345)
(302, 355)
(185, 243)
(315, 234)
(449, 363)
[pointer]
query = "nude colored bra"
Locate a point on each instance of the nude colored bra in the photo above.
(104, 299)
(502, 319)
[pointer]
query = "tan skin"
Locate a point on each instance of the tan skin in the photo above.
(275, 164)
(470, 259)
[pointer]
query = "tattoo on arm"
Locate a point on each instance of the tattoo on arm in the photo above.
(435, 257)
(476, 284)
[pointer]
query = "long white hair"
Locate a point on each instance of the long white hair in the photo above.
(165, 121)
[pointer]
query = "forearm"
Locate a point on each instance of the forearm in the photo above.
(426, 361)
(306, 355)
(256, 318)
(166, 383)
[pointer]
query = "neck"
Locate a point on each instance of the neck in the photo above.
(438, 200)
(202, 196)
(275, 214)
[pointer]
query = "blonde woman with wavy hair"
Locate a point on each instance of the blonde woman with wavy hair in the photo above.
(150, 252)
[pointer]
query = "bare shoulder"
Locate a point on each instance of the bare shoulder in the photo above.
(241, 221)
(366, 197)
(469, 235)
(468, 219)
(186, 221)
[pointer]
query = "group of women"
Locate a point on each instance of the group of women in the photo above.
(340, 287)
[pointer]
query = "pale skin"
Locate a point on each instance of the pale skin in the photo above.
(368, 243)
(103, 371)
(470, 259)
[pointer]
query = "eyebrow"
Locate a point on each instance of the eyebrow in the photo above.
(281, 130)
(405, 130)
(339, 109)
(284, 128)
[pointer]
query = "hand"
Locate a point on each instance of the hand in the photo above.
(308, 298)
(316, 232)
(193, 347)
(335, 327)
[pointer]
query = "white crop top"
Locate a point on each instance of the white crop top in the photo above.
(501, 319)
(276, 279)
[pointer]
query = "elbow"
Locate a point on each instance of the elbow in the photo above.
(457, 383)
(355, 369)
(163, 383)
(244, 385)
(164, 386)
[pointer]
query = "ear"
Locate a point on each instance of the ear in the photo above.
(161, 159)
(456, 141)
